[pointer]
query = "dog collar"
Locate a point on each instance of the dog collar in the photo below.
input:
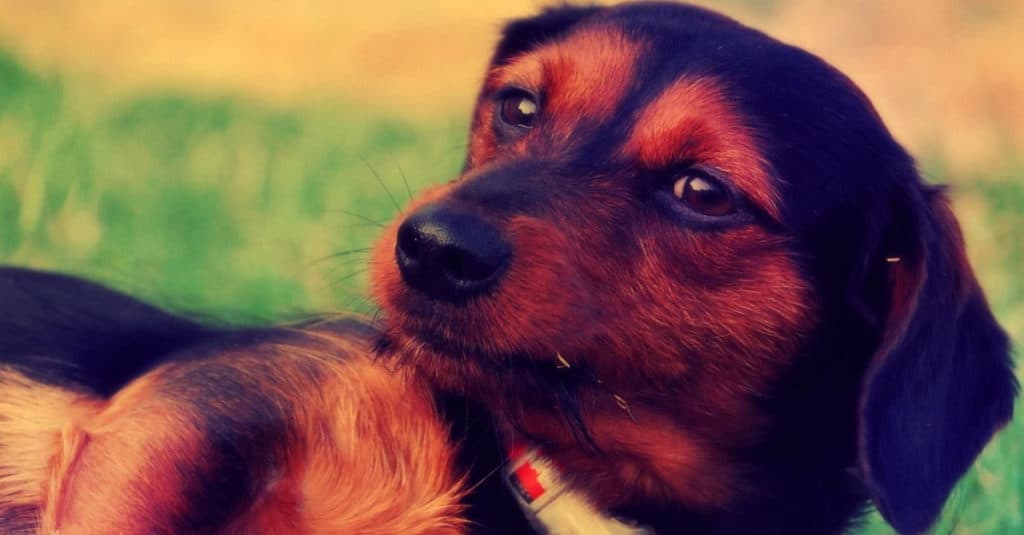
(548, 502)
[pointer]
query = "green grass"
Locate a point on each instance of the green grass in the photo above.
(227, 207)
(214, 204)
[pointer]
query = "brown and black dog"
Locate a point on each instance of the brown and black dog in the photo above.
(116, 418)
(687, 261)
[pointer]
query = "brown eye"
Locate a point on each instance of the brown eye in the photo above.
(519, 110)
(704, 195)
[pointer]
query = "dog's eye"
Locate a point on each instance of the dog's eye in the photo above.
(704, 195)
(518, 109)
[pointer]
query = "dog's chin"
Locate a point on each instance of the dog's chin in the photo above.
(480, 373)
(452, 365)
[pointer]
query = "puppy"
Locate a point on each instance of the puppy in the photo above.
(691, 265)
(685, 264)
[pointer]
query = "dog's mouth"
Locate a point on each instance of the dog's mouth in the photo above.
(458, 351)
(470, 367)
(514, 385)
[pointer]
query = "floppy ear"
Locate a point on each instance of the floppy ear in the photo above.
(525, 34)
(940, 383)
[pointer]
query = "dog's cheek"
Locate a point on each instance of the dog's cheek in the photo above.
(723, 315)
(770, 306)
(482, 140)
(543, 306)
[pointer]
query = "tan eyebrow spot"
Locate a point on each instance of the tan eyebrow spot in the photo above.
(693, 121)
(583, 78)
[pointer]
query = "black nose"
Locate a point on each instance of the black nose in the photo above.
(450, 255)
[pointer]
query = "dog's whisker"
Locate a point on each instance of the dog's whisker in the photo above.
(382, 184)
(349, 252)
(349, 276)
(346, 264)
(356, 226)
(368, 220)
(405, 180)
(483, 479)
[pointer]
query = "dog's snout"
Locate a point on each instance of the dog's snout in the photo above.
(450, 255)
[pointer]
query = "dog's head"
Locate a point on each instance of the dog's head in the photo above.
(675, 237)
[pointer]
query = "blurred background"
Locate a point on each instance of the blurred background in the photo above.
(235, 157)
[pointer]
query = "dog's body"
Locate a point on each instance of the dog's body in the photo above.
(238, 431)
(120, 418)
(688, 261)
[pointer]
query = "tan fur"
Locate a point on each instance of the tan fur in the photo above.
(583, 79)
(375, 457)
(360, 448)
(31, 418)
(693, 120)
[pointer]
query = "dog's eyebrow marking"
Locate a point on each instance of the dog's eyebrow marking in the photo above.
(583, 77)
(693, 121)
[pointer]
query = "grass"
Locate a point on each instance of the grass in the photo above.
(231, 208)
(212, 204)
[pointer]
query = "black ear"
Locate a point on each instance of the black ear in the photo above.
(941, 382)
(521, 35)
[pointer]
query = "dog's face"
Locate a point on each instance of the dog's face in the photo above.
(662, 215)
(619, 222)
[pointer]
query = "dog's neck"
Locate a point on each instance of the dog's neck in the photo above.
(549, 502)
(799, 478)
(806, 458)
(796, 477)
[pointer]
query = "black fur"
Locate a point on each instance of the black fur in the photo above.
(491, 508)
(525, 34)
(940, 386)
(67, 331)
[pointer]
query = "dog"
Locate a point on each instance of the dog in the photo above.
(692, 265)
(686, 273)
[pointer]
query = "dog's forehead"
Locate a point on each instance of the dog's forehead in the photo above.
(583, 77)
(620, 57)
(661, 84)
(608, 94)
